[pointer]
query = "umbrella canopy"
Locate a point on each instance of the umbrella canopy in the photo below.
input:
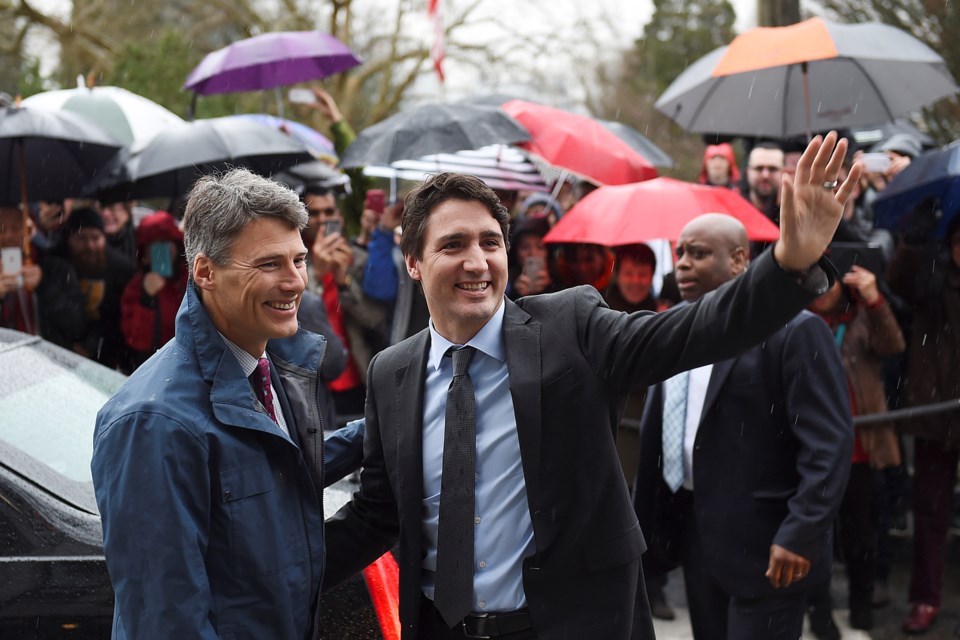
(270, 60)
(579, 144)
(318, 144)
(432, 128)
(812, 76)
(499, 166)
(170, 164)
(316, 173)
(656, 209)
(56, 153)
(641, 144)
(128, 117)
(935, 174)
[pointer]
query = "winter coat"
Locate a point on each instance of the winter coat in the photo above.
(212, 517)
(871, 334)
(148, 321)
(933, 363)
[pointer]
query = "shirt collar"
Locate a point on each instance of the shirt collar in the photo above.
(247, 362)
(489, 340)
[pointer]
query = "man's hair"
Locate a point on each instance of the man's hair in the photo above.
(317, 190)
(639, 253)
(436, 190)
(220, 206)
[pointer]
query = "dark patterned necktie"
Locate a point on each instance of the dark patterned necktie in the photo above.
(261, 385)
(453, 596)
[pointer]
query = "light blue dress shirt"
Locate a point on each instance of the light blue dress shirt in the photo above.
(504, 532)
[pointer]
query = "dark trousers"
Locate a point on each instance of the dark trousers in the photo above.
(432, 626)
(856, 538)
(718, 615)
(935, 470)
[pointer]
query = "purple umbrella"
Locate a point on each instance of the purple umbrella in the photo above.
(270, 60)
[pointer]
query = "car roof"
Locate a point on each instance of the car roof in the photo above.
(49, 398)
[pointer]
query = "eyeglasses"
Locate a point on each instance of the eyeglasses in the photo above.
(326, 211)
(766, 168)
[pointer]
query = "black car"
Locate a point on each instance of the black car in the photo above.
(53, 576)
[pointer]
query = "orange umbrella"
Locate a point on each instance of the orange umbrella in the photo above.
(811, 76)
(657, 209)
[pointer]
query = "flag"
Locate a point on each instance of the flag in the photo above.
(437, 52)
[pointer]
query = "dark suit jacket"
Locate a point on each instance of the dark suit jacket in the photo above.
(771, 460)
(571, 362)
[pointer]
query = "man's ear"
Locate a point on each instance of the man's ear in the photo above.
(413, 267)
(203, 272)
(740, 258)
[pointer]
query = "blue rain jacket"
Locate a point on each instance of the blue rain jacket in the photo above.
(212, 517)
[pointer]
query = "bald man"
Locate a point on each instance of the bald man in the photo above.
(743, 463)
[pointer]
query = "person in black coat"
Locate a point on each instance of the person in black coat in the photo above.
(743, 463)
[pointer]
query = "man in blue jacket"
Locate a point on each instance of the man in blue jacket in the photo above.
(209, 463)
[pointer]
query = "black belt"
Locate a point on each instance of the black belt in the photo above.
(493, 625)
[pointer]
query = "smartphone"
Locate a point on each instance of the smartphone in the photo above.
(301, 96)
(161, 261)
(532, 267)
(375, 200)
(12, 259)
(875, 162)
(331, 226)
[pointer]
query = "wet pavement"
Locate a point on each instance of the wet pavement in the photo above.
(887, 620)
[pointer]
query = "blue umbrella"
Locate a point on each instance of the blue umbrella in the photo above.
(935, 174)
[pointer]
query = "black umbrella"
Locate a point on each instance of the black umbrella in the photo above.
(432, 128)
(49, 155)
(174, 159)
(640, 143)
(308, 174)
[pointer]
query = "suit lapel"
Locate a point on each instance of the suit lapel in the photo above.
(521, 336)
(717, 377)
(407, 420)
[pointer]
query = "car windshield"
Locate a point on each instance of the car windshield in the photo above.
(49, 398)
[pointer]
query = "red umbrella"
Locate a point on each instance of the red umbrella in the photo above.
(579, 144)
(653, 210)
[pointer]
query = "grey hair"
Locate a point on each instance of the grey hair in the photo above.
(220, 206)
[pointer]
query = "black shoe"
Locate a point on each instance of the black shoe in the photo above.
(822, 624)
(659, 608)
(861, 618)
(881, 595)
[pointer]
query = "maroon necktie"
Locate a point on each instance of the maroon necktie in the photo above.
(261, 385)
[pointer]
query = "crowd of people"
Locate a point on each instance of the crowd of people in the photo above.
(747, 472)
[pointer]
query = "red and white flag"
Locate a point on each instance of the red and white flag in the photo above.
(437, 52)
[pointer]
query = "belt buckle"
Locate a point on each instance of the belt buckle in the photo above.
(480, 629)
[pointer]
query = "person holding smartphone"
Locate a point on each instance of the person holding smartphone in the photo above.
(18, 281)
(148, 308)
(361, 322)
(528, 258)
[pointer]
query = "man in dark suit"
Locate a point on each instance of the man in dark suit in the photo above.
(527, 531)
(743, 463)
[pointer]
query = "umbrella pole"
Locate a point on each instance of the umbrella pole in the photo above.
(806, 98)
(556, 189)
(279, 97)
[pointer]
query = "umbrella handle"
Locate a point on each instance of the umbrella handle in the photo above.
(806, 98)
(27, 259)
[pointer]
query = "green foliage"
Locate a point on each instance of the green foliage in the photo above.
(27, 78)
(156, 69)
(679, 33)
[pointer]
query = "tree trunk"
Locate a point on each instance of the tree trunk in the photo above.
(777, 13)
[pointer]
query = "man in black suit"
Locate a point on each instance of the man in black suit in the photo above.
(543, 541)
(743, 463)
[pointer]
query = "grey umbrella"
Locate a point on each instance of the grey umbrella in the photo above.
(641, 144)
(174, 159)
(812, 76)
(429, 129)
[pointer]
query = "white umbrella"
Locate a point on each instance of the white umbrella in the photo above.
(130, 118)
(498, 165)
